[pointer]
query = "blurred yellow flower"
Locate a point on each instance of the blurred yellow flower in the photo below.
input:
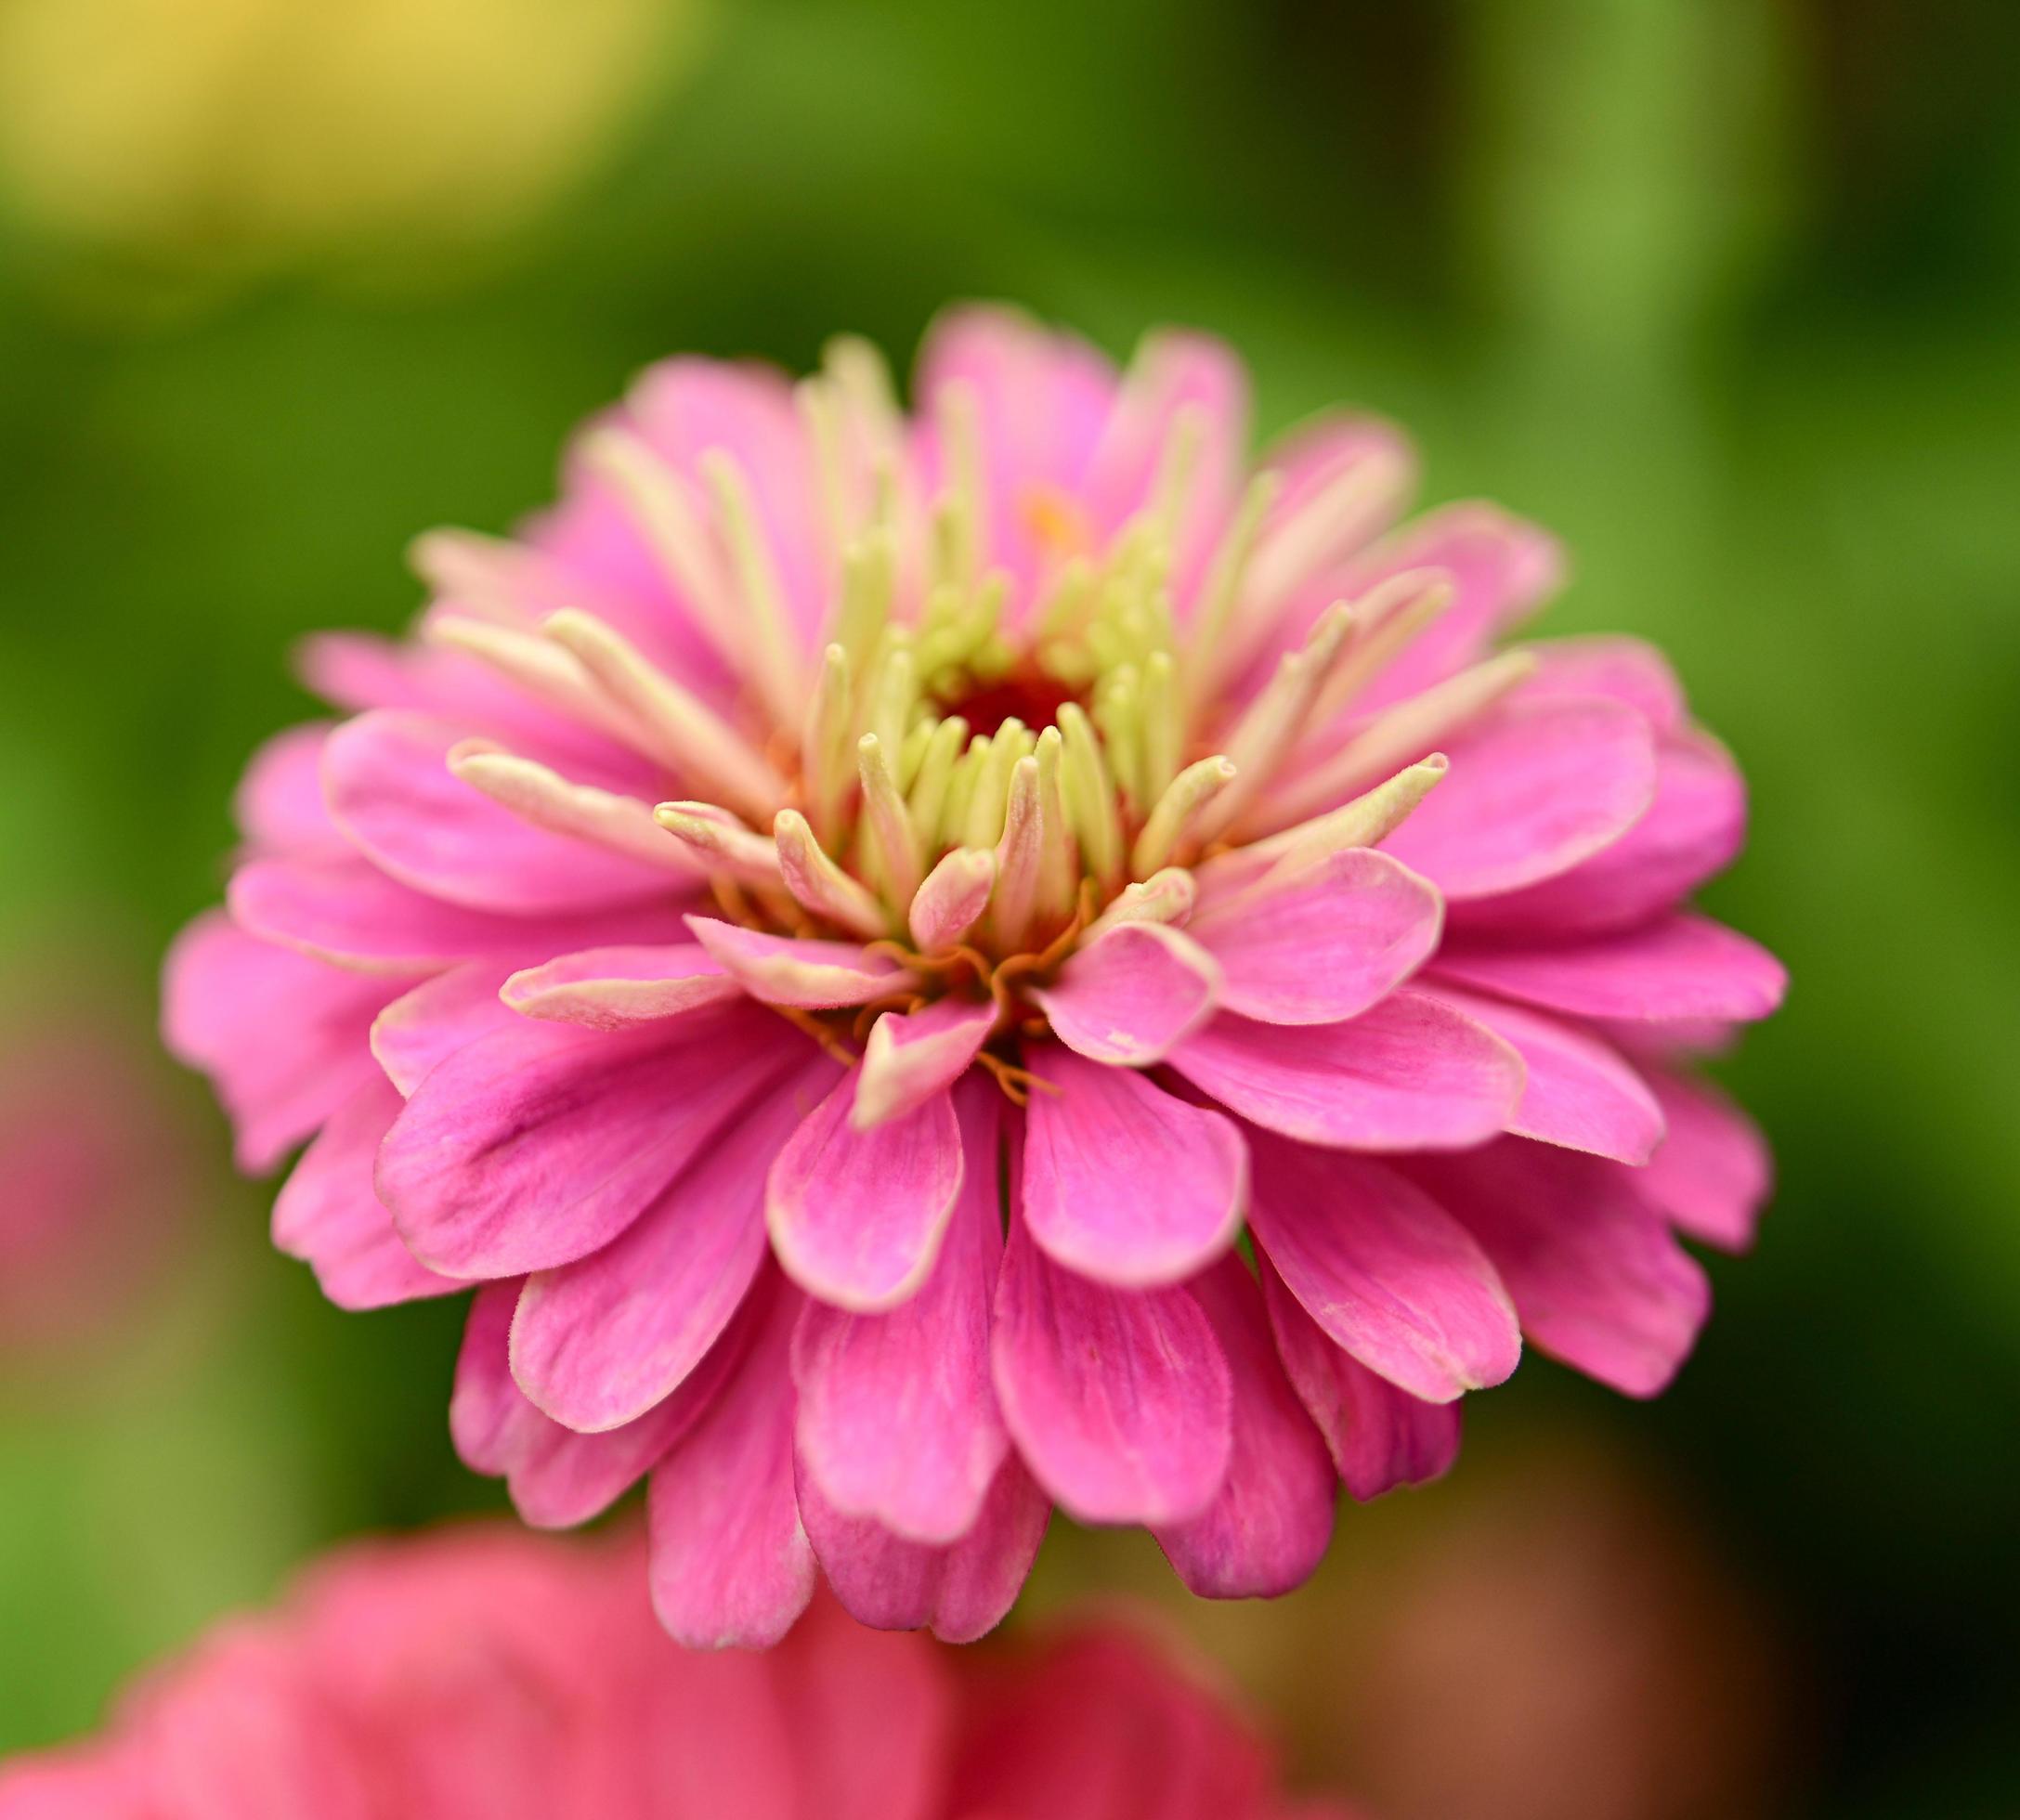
(250, 134)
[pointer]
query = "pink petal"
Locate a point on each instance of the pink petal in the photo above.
(1324, 945)
(1131, 994)
(858, 1724)
(279, 804)
(1106, 1729)
(781, 970)
(278, 1077)
(1386, 1272)
(1123, 1183)
(731, 1564)
(1380, 1437)
(541, 1143)
(1595, 1276)
(857, 1217)
(1535, 788)
(1119, 1400)
(596, 1342)
(912, 1055)
(429, 1024)
(963, 1590)
(1408, 1074)
(1620, 669)
(390, 789)
(1267, 1529)
(328, 1215)
(557, 1477)
(616, 988)
(897, 1418)
(346, 910)
(1713, 1172)
(1581, 1093)
(1682, 967)
(1693, 830)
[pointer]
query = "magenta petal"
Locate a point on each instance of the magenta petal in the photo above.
(781, 970)
(616, 988)
(912, 1055)
(1380, 1437)
(963, 1590)
(390, 789)
(897, 1418)
(279, 804)
(439, 1017)
(1713, 1172)
(596, 1342)
(343, 909)
(1581, 1093)
(1596, 1275)
(557, 1477)
(1386, 1273)
(1124, 1183)
(1267, 1529)
(1324, 944)
(1682, 967)
(1119, 1400)
(328, 1215)
(541, 1143)
(857, 1217)
(1693, 830)
(1610, 664)
(1409, 1074)
(278, 1077)
(1534, 789)
(1131, 994)
(731, 1564)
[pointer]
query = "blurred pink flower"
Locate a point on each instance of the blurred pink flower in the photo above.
(97, 1178)
(1030, 744)
(486, 1675)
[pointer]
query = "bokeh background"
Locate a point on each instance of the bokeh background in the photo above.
(1727, 292)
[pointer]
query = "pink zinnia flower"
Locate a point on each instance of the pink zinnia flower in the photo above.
(483, 1675)
(99, 1177)
(981, 862)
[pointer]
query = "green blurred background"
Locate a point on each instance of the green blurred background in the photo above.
(1724, 291)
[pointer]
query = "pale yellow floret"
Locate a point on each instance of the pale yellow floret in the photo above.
(1204, 665)
(776, 670)
(1394, 739)
(889, 827)
(1272, 724)
(928, 795)
(683, 733)
(1091, 797)
(1166, 896)
(722, 842)
(1020, 857)
(673, 523)
(1059, 864)
(539, 667)
(1193, 788)
(822, 886)
(542, 796)
(827, 773)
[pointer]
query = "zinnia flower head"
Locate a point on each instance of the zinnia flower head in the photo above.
(483, 1675)
(842, 923)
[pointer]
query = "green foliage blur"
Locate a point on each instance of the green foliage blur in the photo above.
(1725, 291)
